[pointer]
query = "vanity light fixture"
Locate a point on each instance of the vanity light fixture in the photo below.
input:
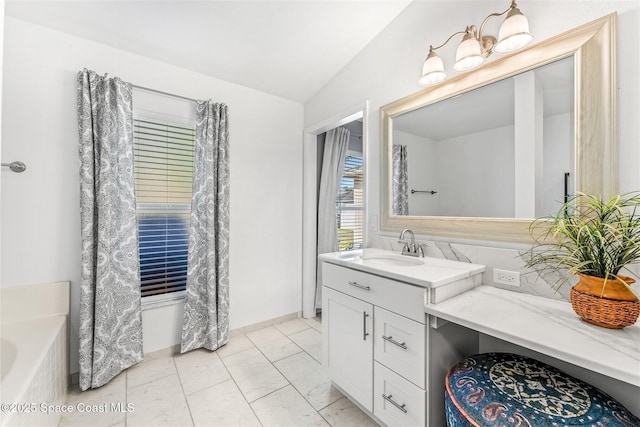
(475, 47)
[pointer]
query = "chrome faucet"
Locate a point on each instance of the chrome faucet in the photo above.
(410, 248)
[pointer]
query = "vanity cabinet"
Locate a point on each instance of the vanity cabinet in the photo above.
(378, 347)
(349, 356)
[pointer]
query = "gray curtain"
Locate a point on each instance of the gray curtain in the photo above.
(335, 153)
(110, 312)
(400, 188)
(206, 310)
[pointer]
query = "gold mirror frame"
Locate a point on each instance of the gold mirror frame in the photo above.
(593, 47)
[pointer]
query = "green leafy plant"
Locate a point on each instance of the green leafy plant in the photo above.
(589, 236)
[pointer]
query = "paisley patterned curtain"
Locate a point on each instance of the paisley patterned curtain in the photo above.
(110, 309)
(400, 188)
(206, 310)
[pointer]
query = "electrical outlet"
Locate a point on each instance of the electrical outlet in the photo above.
(506, 277)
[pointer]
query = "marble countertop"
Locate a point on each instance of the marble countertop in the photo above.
(428, 272)
(547, 326)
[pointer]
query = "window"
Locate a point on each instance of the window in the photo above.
(164, 176)
(350, 205)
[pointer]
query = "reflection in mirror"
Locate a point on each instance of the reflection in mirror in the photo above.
(505, 150)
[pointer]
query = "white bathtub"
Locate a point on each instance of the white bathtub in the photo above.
(34, 353)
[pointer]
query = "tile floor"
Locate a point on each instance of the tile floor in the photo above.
(267, 377)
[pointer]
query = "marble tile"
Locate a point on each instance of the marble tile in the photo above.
(150, 370)
(90, 419)
(235, 333)
(344, 413)
(273, 344)
(254, 374)
(310, 340)
(314, 322)
(256, 326)
(235, 385)
(113, 392)
(450, 251)
(506, 258)
(307, 376)
(550, 327)
(199, 369)
(165, 352)
(292, 326)
(284, 408)
(237, 343)
(158, 403)
(221, 405)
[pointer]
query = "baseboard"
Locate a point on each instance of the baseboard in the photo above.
(74, 378)
(255, 326)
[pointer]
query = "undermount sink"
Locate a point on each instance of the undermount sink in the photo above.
(391, 260)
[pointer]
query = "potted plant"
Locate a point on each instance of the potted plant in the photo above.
(594, 239)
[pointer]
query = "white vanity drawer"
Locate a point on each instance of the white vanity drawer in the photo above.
(399, 344)
(390, 294)
(396, 401)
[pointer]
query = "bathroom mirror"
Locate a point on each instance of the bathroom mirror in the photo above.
(481, 167)
(471, 182)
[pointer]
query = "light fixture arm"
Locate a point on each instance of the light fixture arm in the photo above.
(513, 6)
(486, 42)
(431, 48)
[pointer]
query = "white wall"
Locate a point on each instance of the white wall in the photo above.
(528, 145)
(438, 164)
(483, 156)
(40, 208)
(2, 3)
(389, 67)
(558, 159)
(444, 166)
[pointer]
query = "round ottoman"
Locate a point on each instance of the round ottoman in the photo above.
(503, 389)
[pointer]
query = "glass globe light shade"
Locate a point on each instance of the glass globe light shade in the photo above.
(432, 70)
(514, 33)
(468, 55)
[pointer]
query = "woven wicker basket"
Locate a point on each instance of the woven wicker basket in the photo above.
(608, 313)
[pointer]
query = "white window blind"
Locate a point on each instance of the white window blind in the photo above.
(164, 179)
(350, 205)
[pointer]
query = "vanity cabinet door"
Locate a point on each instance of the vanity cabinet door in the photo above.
(348, 344)
(397, 402)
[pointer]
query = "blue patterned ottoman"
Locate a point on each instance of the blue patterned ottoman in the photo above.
(503, 389)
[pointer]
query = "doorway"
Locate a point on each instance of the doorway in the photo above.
(356, 120)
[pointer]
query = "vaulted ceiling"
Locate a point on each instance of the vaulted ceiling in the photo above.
(287, 48)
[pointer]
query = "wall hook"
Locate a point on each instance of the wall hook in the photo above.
(17, 167)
